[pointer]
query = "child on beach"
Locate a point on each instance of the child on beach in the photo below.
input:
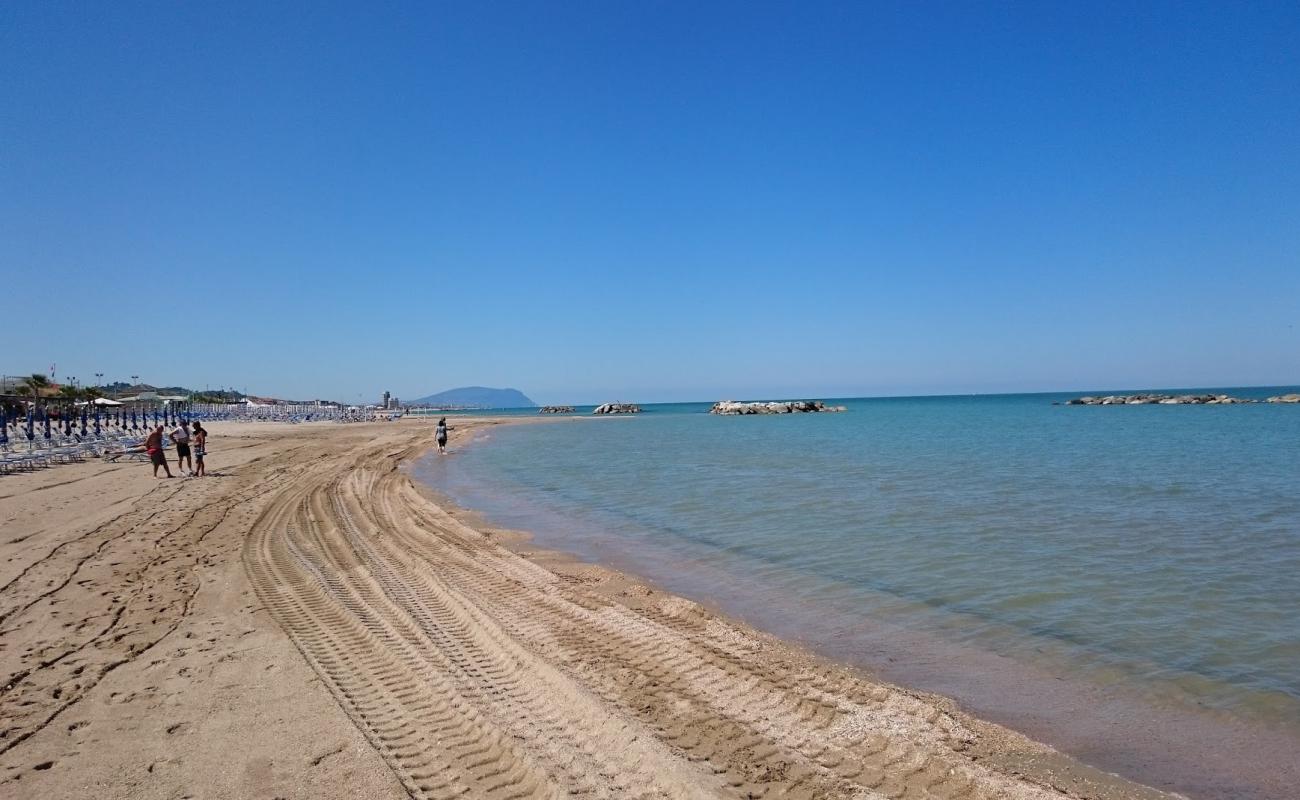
(200, 449)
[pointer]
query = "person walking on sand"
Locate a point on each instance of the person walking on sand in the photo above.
(440, 433)
(181, 437)
(153, 445)
(200, 449)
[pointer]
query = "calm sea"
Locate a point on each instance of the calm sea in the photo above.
(1115, 580)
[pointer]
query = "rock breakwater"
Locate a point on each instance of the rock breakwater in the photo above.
(617, 408)
(731, 407)
(555, 410)
(1176, 400)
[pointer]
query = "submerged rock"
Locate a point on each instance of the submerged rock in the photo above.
(555, 410)
(731, 407)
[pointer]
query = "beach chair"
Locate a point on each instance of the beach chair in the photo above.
(13, 461)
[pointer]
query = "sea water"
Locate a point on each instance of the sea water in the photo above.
(1077, 571)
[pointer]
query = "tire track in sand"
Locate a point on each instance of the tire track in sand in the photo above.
(475, 672)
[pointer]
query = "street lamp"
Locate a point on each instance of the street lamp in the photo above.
(99, 379)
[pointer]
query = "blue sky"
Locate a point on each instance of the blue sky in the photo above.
(652, 201)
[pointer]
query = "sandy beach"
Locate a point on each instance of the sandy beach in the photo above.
(309, 622)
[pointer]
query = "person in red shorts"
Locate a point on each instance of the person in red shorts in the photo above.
(153, 445)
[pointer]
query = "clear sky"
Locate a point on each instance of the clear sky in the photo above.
(652, 201)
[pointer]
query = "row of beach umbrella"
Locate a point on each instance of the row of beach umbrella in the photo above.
(136, 420)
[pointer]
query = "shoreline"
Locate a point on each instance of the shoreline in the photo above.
(309, 623)
(1163, 743)
(1039, 761)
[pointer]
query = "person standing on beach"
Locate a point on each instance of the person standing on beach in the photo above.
(200, 449)
(440, 433)
(181, 436)
(153, 445)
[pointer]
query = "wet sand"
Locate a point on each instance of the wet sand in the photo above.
(308, 622)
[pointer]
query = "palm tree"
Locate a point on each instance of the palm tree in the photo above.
(36, 384)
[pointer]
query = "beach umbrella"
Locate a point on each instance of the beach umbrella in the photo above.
(96, 420)
(4, 427)
(45, 416)
(135, 423)
(31, 424)
(155, 417)
(83, 420)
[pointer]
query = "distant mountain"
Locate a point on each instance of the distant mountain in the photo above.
(477, 396)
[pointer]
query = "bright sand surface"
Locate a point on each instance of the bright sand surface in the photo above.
(308, 622)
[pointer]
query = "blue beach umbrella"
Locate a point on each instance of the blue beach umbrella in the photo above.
(4, 427)
(83, 420)
(96, 420)
(31, 424)
(45, 415)
(135, 422)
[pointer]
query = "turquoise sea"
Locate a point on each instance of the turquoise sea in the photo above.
(1123, 582)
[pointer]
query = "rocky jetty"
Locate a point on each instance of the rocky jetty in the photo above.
(783, 407)
(1284, 398)
(555, 410)
(617, 408)
(1164, 400)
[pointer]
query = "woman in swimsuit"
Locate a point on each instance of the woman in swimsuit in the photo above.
(200, 448)
(440, 433)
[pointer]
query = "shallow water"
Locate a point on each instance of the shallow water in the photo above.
(1147, 552)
